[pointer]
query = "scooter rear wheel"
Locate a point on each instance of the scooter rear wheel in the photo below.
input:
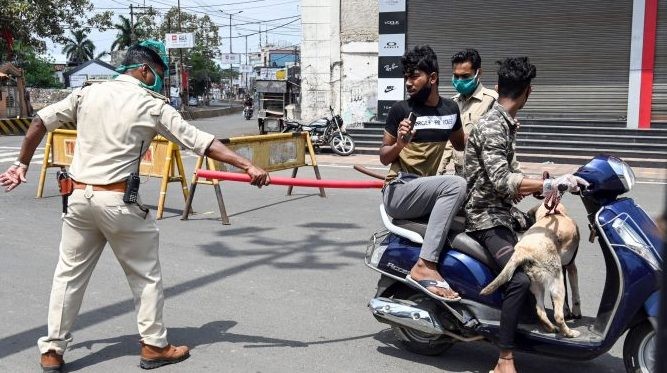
(419, 342)
(639, 349)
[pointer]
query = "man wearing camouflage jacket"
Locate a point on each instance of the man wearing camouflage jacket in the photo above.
(495, 184)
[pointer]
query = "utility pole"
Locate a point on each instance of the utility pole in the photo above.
(131, 24)
(230, 44)
(168, 77)
(133, 36)
(230, 35)
(184, 100)
(246, 63)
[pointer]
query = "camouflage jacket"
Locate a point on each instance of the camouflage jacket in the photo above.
(493, 180)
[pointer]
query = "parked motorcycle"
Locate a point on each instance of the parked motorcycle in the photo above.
(326, 132)
(631, 246)
(247, 112)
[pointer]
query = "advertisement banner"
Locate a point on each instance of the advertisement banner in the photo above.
(231, 58)
(390, 67)
(245, 69)
(391, 45)
(392, 5)
(383, 109)
(390, 89)
(182, 40)
(272, 73)
(393, 23)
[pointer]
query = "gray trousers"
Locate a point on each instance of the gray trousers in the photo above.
(441, 197)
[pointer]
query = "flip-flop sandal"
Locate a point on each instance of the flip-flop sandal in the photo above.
(424, 284)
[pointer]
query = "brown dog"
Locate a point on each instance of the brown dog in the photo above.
(549, 245)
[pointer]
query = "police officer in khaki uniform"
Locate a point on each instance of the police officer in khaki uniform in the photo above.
(473, 98)
(116, 122)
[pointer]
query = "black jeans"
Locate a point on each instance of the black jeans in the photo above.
(500, 241)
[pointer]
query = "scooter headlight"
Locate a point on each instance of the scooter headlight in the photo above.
(623, 172)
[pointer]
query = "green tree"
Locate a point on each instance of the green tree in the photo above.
(39, 71)
(102, 54)
(124, 37)
(203, 72)
(200, 59)
(79, 48)
(205, 30)
(32, 21)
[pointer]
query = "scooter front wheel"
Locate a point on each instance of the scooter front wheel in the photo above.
(419, 342)
(639, 349)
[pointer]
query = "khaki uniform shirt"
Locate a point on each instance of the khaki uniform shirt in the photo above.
(492, 179)
(472, 108)
(113, 119)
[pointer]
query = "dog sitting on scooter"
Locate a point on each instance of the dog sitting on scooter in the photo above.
(544, 250)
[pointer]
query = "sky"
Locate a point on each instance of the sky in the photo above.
(267, 13)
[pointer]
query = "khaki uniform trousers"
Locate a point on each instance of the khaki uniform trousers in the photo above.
(93, 219)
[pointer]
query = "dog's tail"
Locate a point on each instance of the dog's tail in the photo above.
(516, 261)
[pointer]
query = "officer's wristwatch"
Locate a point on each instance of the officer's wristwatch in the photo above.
(18, 164)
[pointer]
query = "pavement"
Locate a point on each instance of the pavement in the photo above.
(283, 288)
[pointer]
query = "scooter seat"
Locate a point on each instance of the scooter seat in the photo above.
(419, 225)
(467, 245)
(415, 229)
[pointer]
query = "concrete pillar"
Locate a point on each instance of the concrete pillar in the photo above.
(642, 62)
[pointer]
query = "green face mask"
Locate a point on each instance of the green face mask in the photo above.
(465, 86)
(157, 85)
(157, 47)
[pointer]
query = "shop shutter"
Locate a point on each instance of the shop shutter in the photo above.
(581, 49)
(659, 102)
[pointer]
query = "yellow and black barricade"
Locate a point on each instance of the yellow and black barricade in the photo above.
(19, 126)
(162, 159)
(274, 152)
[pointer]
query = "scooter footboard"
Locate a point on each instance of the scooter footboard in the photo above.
(468, 277)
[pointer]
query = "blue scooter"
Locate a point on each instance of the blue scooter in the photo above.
(632, 249)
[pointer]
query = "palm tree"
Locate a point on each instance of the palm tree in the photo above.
(102, 54)
(79, 49)
(124, 37)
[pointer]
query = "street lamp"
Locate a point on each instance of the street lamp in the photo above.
(230, 27)
(245, 59)
(230, 41)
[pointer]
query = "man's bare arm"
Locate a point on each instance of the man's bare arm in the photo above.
(218, 151)
(392, 146)
(458, 139)
(32, 139)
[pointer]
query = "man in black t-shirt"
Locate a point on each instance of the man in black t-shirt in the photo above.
(411, 188)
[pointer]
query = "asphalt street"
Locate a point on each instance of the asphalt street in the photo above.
(283, 288)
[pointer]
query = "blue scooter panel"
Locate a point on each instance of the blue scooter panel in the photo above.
(639, 279)
(466, 275)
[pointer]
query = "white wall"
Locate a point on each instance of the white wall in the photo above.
(92, 71)
(359, 84)
(319, 51)
(339, 59)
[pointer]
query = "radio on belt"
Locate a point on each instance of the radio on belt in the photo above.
(132, 183)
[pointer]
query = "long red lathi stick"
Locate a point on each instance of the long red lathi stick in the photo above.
(277, 180)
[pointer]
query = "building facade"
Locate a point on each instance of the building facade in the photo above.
(596, 61)
(339, 59)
